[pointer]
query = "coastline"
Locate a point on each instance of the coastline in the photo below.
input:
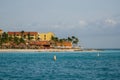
(46, 50)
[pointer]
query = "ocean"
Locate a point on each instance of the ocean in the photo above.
(68, 65)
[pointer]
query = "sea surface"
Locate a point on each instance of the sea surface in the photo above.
(68, 66)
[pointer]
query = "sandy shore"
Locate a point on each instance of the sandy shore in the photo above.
(46, 50)
(37, 50)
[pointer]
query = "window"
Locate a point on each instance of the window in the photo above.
(45, 36)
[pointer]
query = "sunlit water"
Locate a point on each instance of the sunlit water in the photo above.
(68, 66)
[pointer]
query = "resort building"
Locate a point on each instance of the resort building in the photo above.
(32, 40)
(1, 31)
(25, 35)
(32, 35)
(65, 44)
(40, 44)
(46, 36)
(48, 45)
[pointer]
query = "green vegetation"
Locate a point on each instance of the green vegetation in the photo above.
(72, 39)
(23, 41)
(8, 41)
(22, 34)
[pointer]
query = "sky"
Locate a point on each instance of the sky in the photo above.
(95, 22)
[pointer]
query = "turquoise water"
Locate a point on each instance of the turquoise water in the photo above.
(68, 66)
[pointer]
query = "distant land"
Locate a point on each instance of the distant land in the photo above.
(33, 40)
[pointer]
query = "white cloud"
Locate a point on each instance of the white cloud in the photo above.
(82, 23)
(56, 26)
(63, 26)
(110, 22)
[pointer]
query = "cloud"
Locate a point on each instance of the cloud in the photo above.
(56, 26)
(82, 23)
(110, 22)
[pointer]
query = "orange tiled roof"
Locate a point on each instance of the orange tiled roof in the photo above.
(40, 43)
(31, 33)
(12, 33)
(0, 29)
(25, 33)
(67, 43)
(64, 44)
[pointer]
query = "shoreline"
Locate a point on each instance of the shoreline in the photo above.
(46, 50)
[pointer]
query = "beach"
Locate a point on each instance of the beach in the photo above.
(48, 50)
(38, 50)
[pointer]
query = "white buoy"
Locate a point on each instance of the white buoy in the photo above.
(54, 57)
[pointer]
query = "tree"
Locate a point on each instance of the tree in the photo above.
(5, 37)
(10, 38)
(55, 39)
(0, 41)
(73, 37)
(64, 39)
(22, 34)
(75, 40)
(29, 38)
(14, 34)
(22, 40)
(16, 40)
(69, 39)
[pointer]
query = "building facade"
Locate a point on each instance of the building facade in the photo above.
(32, 35)
(65, 44)
(46, 36)
(25, 35)
(1, 31)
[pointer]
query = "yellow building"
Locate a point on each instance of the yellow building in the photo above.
(32, 35)
(1, 33)
(46, 36)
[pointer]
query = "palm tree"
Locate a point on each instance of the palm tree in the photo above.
(10, 38)
(73, 37)
(75, 40)
(22, 40)
(0, 41)
(5, 37)
(64, 39)
(69, 39)
(55, 38)
(22, 34)
(14, 34)
(16, 40)
(29, 38)
(61, 40)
